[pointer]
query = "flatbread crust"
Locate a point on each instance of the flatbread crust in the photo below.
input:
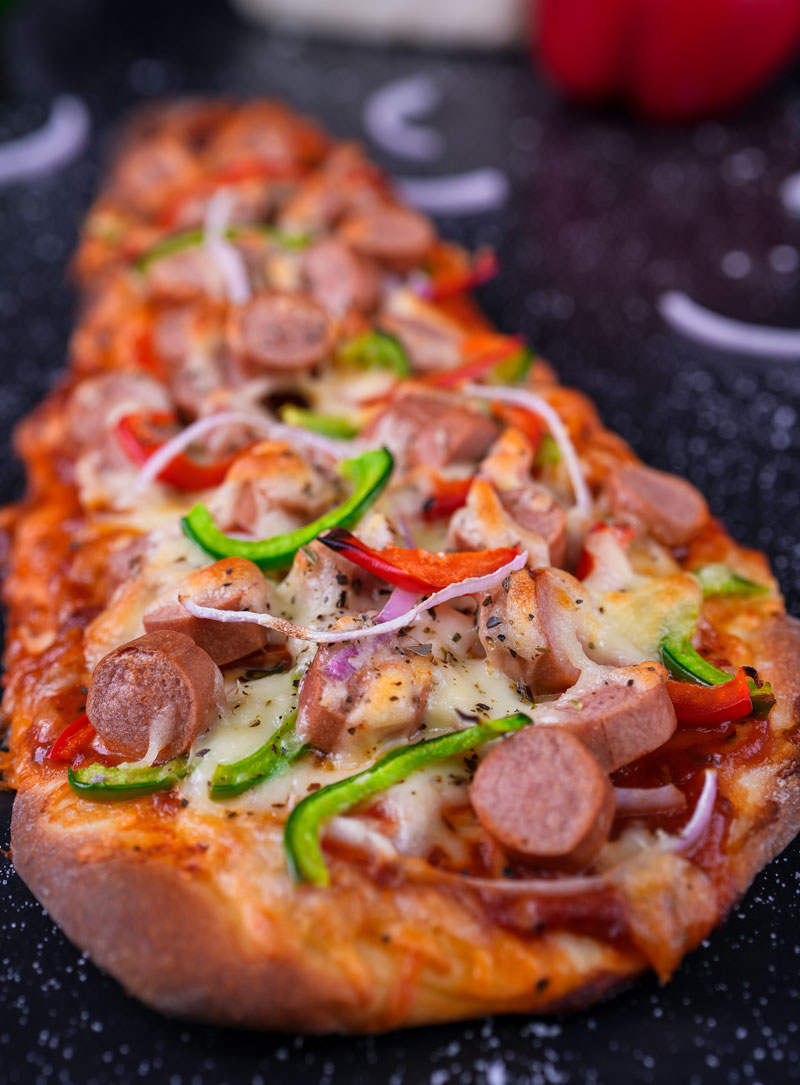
(196, 915)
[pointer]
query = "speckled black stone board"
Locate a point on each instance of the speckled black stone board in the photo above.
(605, 214)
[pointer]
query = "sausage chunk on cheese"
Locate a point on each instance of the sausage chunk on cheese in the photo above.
(522, 629)
(622, 714)
(545, 798)
(279, 331)
(666, 506)
(355, 692)
(229, 584)
(154, 695)
(425, 429)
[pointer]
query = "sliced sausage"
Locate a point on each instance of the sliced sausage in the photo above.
(397, 236)
(229, 584)
(149, 170)
(545, 798)
(345, 181)
(425, 429)
(266, 132)
(186, 276)
(525, 629)
(536, 511)
(98, 403)
(666, 506)
(432, 339)
(154, 695)
(353, 694)
(279, 330)
(625, 715)
(271, 477)
(484, 523)
(340, 279)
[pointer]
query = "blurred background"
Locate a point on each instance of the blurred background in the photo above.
(635, 164)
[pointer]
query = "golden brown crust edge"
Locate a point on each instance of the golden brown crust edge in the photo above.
(172, 938)
(171, 933)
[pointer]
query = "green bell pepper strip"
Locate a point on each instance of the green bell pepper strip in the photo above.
(114, 783)
(376, 350)
(369, 474)
(329, 425)
(190, 238)
(278, 752)
(301, 835)
(515, 369)
(720, 579)
(548, 453)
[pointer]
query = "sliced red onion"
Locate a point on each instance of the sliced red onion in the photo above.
(300, 438)
(226, 256)
(725, 333)
(558, 431)
(472, 585)
(468, 193)
(387, 112)
(339, 667)
(398, 603)
(636, 800)
(698, 823)
(60, 140)
(408, 538)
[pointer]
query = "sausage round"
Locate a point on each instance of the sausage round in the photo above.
(670, 508)
(229, 584)
(354, 694)
(536, 511)
(279, 330)
(624, 717)
(425, 429)
(544, 796)
(397, 236)
(341, 279)
(154, 696)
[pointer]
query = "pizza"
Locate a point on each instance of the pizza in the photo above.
(357, 676)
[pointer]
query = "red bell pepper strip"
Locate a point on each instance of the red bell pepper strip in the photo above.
(709, 705)
(529, 423)
(146, 355)
(73, 740)
(135, 433)
(483, 352)
(416, 570)
(447, 284)
(671, 59)
(448, 495)
(623, 534)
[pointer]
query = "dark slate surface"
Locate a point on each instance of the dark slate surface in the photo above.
(605, 214)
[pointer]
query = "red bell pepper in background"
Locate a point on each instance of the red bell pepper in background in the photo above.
(72, 740)
(448, 495)
(671, 60)
(135, 433)
(416, 570)
(709, 705)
